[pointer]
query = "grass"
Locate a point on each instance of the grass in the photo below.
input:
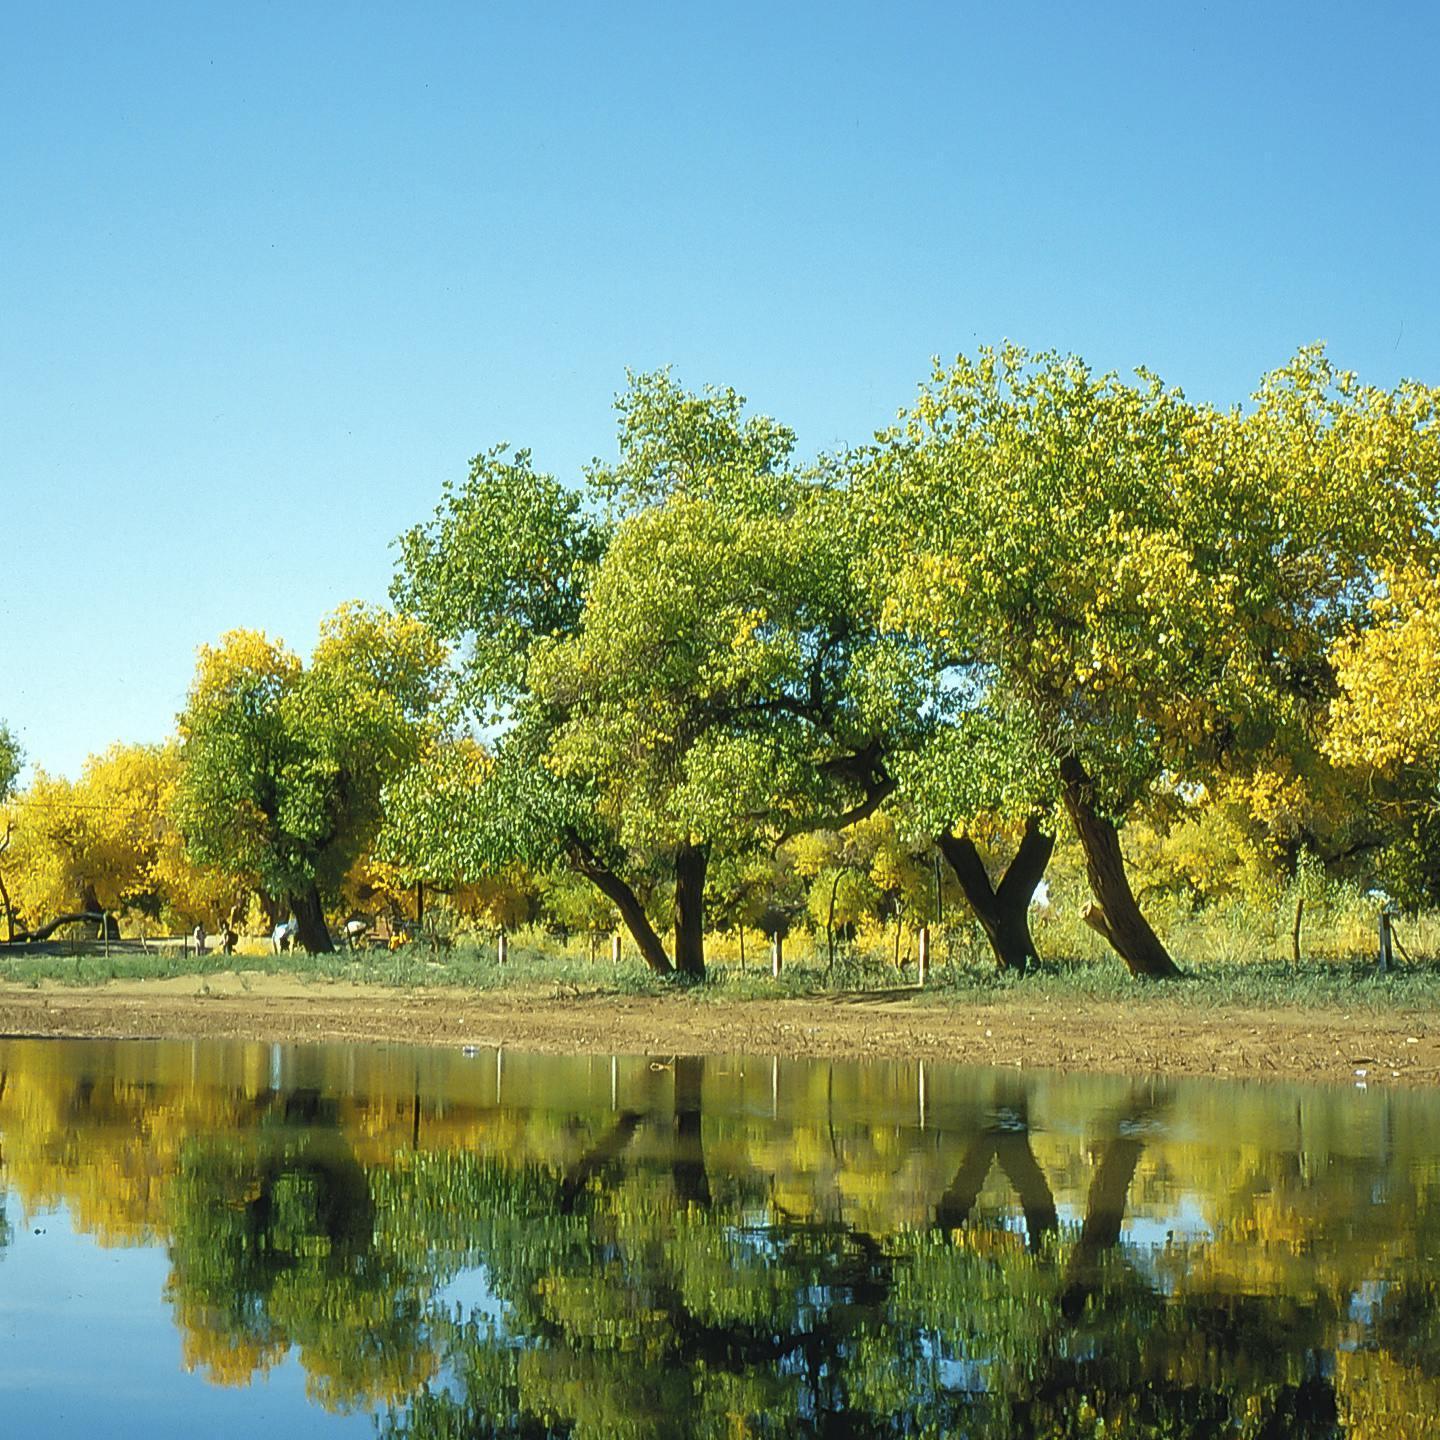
(1215, 976)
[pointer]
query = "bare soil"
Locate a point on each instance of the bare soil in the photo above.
(1155, 1035)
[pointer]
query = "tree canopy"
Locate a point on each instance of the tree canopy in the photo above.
(707, 676)
(283, 764)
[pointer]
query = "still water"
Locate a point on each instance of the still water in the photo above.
(233, 1239)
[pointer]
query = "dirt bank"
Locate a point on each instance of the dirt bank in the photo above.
(1150, 1035)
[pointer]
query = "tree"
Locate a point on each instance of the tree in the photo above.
(1385, 723)
(283, 765)
(105, 843)
(1148, 587)
(11, 759)
(695, 670)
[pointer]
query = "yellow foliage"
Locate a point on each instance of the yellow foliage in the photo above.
(107, 841)
(1387, 716)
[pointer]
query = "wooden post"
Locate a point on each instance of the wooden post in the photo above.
(105, 930)
(1387, 955)
(923, 963)
(777, 955)
(1295, 931)
(615, 949)
(742, 949)
(502, 948)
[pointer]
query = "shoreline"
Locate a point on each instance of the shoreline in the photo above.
(1153, 1035)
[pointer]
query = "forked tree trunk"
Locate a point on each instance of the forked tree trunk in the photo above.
(690, 863)
(1115, 914)
(1003, 910)
(310, 929)
(632, 912)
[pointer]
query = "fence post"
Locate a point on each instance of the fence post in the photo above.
(105, 930)
(1387, 955)
(615, 949)
(502, 948)
(923, 962)
(777, 955)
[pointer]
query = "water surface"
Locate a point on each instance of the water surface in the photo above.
(331, 1240)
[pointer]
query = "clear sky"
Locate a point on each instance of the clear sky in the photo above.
(271, 272)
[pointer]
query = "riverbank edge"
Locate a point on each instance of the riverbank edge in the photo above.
(1148, 1036)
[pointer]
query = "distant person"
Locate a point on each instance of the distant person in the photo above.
(199, 939)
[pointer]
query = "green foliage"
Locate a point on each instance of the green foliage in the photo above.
(503, 564)
(11, 759)
(706, 678)
(1145, 583)
(283, 765)
(677, 443)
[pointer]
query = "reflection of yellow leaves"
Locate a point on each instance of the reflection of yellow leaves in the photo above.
(1381, 1399)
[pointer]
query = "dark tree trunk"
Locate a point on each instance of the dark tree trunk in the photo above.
(71, 917)
(690, 863)
(1115, 915)
(10, 915)
(1104, 1215)
(1017, 1160)
(692, 1180)
(311, 932)
(632, 912)
(1003, 910)
(106, 925)
(598, 1158)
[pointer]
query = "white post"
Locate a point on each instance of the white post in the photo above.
(923, 965)
(502, 948)
(777, 947)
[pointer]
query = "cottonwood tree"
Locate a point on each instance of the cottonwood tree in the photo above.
(283, 763)
(1148, 587)
(105, 843)
(680, 664)
(1384, 724)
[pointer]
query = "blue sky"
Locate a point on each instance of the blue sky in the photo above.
(270, 273)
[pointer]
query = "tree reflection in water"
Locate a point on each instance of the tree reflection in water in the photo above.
(672, 1268)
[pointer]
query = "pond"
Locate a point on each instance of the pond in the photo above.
(419, 1243)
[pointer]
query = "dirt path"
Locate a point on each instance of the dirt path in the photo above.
(1156, 1035)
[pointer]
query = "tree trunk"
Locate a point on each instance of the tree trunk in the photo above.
(272, 909)
(690, 863)
(106, 925)
(1115, 915)
(310, 929)
(9, 914)
(692, 1180)
(1004, 910)
(632, 912)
